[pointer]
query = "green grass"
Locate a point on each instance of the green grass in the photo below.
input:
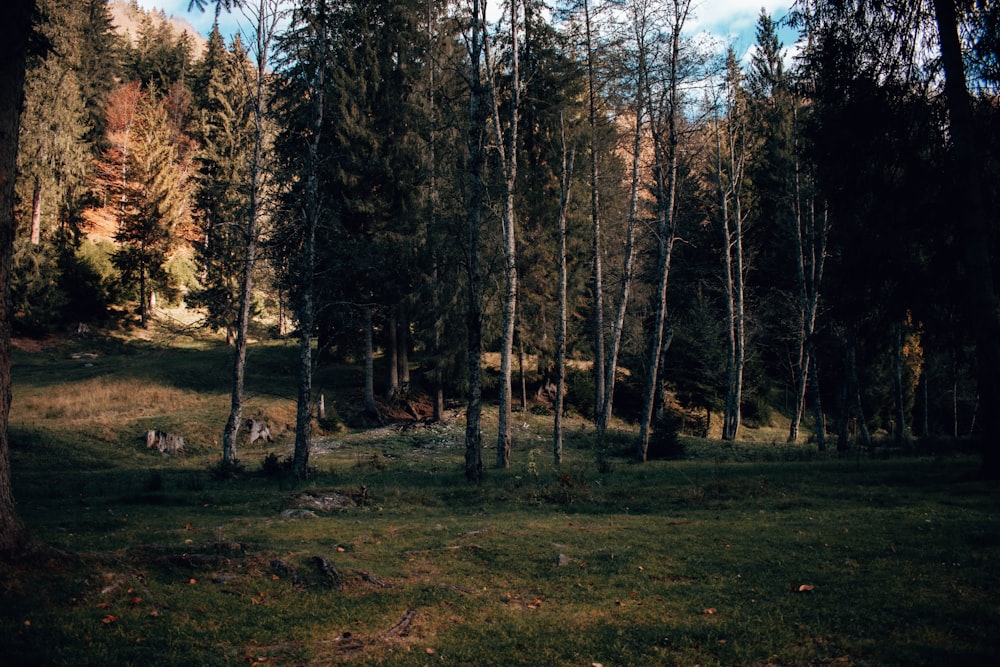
(748, 554)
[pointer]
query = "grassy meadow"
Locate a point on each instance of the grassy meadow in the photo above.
(753, 553)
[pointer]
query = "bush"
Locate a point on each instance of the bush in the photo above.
(580, 392)
(665, 441)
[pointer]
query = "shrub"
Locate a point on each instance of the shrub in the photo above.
(665, 441)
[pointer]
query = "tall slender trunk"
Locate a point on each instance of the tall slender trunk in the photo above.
(600, 382)
(507, 146)
(266, 17)
(391, 356)
(16, 17)
(564, 193)
(369, 333)
(628, 262)
(307, 268)
(974, 227)
(474, 216)
(665, 154)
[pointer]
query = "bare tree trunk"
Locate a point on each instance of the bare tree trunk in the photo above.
(810, 233)
(474, 215)
(403, 346)
(628, 262)
(369, 397)
(600, 381)
(16, 17)
(564, 191)
(307, 269)
(391, 357)
(974, 227)
(507, 146)
(730, 186)
(665, 153)
(265, 17)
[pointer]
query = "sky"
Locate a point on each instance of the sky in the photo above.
(728, 21)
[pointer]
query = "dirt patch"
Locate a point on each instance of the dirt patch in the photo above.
(34, 345)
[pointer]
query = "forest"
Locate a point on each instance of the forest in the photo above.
(570, 199)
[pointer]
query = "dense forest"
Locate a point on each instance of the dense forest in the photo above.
(632, 223)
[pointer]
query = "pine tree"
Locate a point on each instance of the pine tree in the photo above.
(224, 133)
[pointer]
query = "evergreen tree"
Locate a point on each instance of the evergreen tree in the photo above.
(223, 129)
(153, 200)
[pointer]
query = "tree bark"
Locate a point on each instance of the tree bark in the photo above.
(307, 268)
(628, 262)
(564, 191)
(266, 16)
(16, 17)
(974, 228)
(507, 147)
(474, 215)
(665, 151)
(600, 381)
(369, 332)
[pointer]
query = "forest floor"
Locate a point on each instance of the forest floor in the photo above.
(751, 553)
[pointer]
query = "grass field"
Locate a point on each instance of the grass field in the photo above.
(746, 554)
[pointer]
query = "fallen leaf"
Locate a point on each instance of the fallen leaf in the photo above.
(709, 611)
(104, 605)
(192, 581)
(805, 588)
(135, 601)
(109, 619)
(429, 651)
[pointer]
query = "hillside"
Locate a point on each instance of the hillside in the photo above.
(128, 18)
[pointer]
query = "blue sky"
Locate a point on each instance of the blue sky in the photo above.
(726, 20)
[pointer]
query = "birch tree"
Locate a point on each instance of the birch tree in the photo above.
(566, 179)
(506, 141)
(475, 190)
(731, 156)
(263, 16)
(664, 128)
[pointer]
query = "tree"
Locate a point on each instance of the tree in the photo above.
(474, 194)
(306, 50)
(264, 19)
(564, 195)
(731, 158)
(224, 131)
(152, 194)
(638, 60)
(665, 96)
(973, 223)
(506, 141)
(17, 17)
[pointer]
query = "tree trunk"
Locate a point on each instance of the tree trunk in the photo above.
(307, 268)
(15, 16)
(628, 262)
(266, 16)
(974, 232)
(564, 190)
(665, 151)
(600, 378)
(474, 215)
(391, 357)
(507, 146)
(369, 332)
